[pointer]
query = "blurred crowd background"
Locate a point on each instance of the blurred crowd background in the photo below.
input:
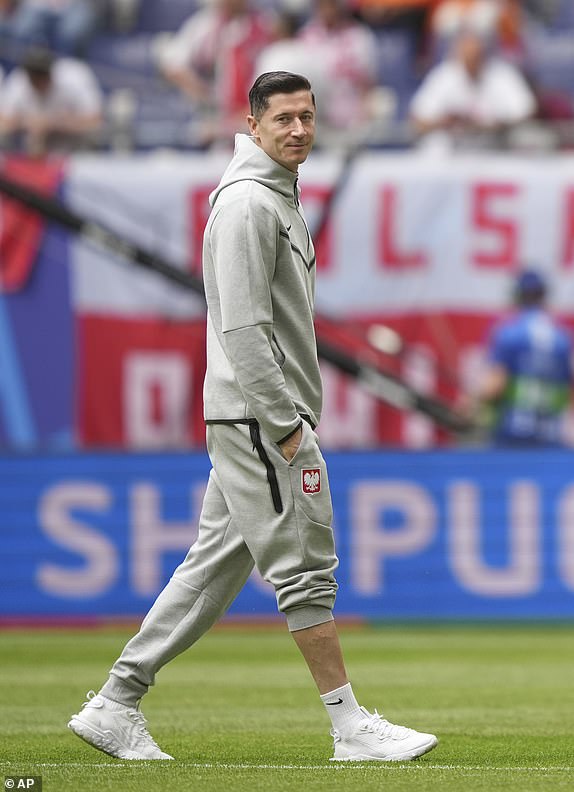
(420, 251)
(133, 75)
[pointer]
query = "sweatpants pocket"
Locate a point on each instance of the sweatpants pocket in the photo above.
(255, 435)
(309, 480)
(317, 540)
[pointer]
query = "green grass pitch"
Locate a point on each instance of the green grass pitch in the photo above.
(239, 711)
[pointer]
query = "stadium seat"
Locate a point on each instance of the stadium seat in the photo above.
(149, 119)
(142, 110)
(163, 119)
(156, 16)
(563, 18)
(396, 54)
(549, 60)
(123, 60)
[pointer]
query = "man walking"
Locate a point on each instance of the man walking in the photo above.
(267, 501)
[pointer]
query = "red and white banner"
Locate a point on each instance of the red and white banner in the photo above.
(426, 246)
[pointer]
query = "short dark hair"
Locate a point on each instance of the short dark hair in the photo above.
(38, 62)
(530, 288)
(270, 83)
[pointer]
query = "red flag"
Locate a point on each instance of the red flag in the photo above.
(21, 228)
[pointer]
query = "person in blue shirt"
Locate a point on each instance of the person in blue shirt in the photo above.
(527, 384)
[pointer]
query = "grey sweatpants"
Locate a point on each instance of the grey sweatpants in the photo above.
(258, 509)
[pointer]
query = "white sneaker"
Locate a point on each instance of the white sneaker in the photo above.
(377, 740)
(115, 730)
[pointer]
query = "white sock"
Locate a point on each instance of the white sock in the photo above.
(115, 706)
(343, 709)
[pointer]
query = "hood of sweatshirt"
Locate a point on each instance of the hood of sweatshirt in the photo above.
(251, 163)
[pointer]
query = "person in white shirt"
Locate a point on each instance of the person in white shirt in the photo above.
(211, 60)
(285, 49)
(53, 105)
(287, 52)
(345, 51)
(471, 99)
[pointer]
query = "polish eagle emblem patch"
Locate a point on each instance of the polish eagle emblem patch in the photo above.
(311, 481)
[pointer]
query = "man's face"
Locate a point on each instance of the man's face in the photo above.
(40, 82)
(233, 7)
(330, 12)
(470, 50)
(286, 129)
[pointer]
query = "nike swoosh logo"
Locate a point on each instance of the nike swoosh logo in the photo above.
(333, 703)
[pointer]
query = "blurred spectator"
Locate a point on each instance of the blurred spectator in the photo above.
(470, 100)
(287, 52)
(394, 10)
(7, 8)
(527, 385)
(346, 52)
(66, 26)
(409, 15)
(391, 13)
(50, 105)
(488, 18)
(211, 60)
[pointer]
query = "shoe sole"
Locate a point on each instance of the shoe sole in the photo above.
(104, 741)
(407, 756)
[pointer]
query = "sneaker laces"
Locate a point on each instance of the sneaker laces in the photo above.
(139, 719)
(382, 728)
(91, 694)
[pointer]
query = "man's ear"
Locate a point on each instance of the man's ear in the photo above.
(253, 125)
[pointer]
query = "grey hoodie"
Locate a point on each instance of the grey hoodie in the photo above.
(259, 276)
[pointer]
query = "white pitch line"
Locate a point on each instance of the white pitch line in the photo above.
(331, 766)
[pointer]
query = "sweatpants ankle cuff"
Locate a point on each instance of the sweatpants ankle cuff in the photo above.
(119, 691)
(307, 616)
